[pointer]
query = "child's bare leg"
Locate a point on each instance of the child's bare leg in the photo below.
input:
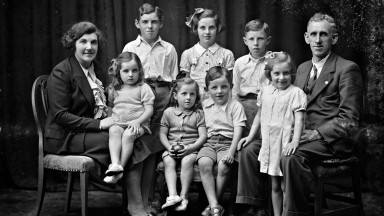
(277, 195)
(127, 145)
(115, 134)
(186, 174)
(170, 174)
(206, 173)
(133, 183)
(223, 174)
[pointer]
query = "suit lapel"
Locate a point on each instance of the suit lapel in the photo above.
(326, 76)
(82, 81)
(301, 79)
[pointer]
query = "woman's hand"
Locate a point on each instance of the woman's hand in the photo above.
(290, 148)
(106, 123)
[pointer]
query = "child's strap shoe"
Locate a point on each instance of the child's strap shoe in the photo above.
(172, 201)
(114, 169)
(207, 211)
(113, 179)
(217, 210)
(183, 205)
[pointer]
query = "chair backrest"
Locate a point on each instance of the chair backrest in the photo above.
(40, 108)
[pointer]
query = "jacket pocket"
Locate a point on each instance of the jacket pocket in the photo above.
(53, 133)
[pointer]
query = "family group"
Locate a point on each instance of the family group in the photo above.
(208, 110)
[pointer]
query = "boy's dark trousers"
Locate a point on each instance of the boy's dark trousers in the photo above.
(251, 184)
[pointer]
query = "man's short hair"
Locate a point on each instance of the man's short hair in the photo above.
(317, 17)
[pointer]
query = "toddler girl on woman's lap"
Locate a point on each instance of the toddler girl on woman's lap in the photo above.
(281, 118)
(182, 124)
(225, 119)
(197, 60)
(130, 103)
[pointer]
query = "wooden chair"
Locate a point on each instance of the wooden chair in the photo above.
(335, 169)
(67, 163)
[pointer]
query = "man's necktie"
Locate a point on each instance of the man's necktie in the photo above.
(311, 81)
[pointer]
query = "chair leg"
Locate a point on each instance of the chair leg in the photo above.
(319, 182)
(69, 192)
(357, 192)
(84, 193)
(40, 189)
(124, 194)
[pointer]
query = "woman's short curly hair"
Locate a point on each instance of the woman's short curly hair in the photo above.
(77, 31)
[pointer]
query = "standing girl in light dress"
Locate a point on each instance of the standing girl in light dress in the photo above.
(131, 107)
(197, 60)
(182, 124)
(281, 118)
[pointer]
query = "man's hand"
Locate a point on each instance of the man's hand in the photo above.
(243, 142)
(228, 159)
(309, 136)
(106, 123)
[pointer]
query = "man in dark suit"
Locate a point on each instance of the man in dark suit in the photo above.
(334, 92)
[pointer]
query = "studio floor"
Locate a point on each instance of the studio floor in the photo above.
(21, 202)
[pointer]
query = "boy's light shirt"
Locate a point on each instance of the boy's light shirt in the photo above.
(159, 61)
(221, 120)
(248, 76)
(319, 65)
(222, 107)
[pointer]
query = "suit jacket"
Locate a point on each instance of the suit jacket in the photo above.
(335, 105)
(72, 106)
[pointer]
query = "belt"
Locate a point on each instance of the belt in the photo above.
(251, 96)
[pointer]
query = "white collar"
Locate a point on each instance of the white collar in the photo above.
(321, 63)
(250, 58)
(200, 50)
(140, 40)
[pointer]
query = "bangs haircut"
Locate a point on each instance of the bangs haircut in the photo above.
(215, 73)
(179, 83)
(277, 58)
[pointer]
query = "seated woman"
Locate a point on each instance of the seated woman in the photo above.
(76, 121)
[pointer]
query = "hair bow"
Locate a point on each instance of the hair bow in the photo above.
(270, 54)
(190, 19)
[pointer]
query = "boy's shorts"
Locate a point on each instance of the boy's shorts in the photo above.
(216, 148)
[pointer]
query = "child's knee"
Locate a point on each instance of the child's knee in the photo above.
(205, 165)
(223, 169)
(189, 160)
(115, 130)
(169, 161)
(129, 135)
